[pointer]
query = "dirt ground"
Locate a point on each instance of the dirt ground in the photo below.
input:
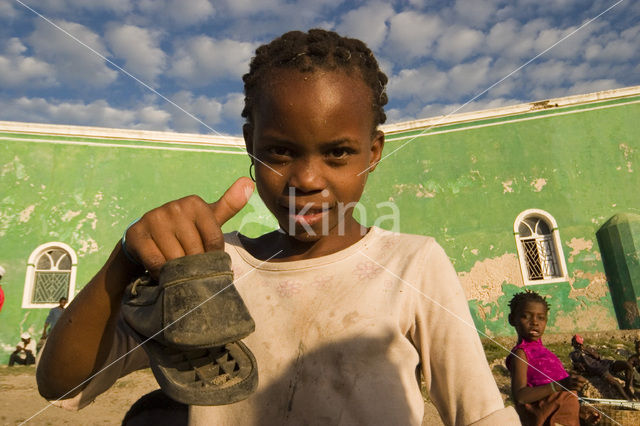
(20, 402)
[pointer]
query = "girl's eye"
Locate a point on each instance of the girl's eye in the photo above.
(339, 153)
(280, 151)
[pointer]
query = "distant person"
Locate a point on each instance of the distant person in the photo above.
(25, 353)
(2, 272)
(542, 389)
(634, 359)
(53, 317)
(588, 360)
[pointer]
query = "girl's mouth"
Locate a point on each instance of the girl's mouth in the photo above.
(310, 218)
(307, 214)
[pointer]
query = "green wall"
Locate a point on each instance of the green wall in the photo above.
(464, 184)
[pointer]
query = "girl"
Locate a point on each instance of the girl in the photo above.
(347, 317)
(540, 385)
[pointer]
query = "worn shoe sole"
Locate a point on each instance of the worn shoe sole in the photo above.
(192, 322)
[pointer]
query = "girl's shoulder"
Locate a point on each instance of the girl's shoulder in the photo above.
(516, 351)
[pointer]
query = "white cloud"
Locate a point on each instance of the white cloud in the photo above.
(211, 111)
(433, 110)
(252, 7)
(457, 43)
(150, 117)
(411, 34)
(570, 43)
(475, 12)
(548, 73)
(178, 11)
(425, 83)
(7, 10)
(202, 59)
(139, 48)
(470, 78)
(232, 108)
(367, 23)
(116, 6)
(96, 113)
(18, 70)
(583, 87)
(510, 39)
(614, 47)
(73, 62)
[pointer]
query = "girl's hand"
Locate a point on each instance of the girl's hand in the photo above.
(186, 226)
(574, 382)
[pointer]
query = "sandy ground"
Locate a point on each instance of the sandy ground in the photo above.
(20, 401)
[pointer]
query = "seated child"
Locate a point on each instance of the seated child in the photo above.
(25, 351)
(588, 360)
(347, 318)
(541, 387)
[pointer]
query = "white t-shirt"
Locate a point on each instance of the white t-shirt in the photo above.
(342, 340)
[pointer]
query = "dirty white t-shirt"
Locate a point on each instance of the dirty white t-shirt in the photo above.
(342, 340)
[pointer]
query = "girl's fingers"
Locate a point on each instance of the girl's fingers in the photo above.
(185, 226)
(210, 233)
(169, 245)
(233, 200)
(189, 238)
(149, 254)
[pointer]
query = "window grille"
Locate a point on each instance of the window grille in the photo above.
(539, 248)
(50, 276)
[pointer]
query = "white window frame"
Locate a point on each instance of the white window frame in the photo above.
(30, 277)
(562, 275)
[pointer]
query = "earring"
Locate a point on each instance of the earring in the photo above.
(251, 172)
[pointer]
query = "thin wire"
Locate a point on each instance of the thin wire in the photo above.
(127, 73)
(494, 84)
(151, 337)
(456, 316)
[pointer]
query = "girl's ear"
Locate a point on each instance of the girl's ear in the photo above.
(511, 319)
(377, 143)
(247, 132)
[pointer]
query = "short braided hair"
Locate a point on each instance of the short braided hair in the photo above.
(520, 299)
(317, 49)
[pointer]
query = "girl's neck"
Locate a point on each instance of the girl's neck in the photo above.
(522, 339)
(278, 246)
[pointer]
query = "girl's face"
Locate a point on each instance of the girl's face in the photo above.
(531, 320)
(312, 134)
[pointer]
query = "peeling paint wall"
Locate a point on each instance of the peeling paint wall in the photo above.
(85, 196)
(465, 185)
(578, 164)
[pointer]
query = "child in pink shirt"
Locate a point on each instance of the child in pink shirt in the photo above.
(541, 387)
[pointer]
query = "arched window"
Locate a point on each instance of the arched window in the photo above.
(51, 274)
(539, 248)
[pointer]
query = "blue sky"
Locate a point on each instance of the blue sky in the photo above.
(438, 55)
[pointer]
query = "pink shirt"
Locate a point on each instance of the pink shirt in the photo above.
(544, 365)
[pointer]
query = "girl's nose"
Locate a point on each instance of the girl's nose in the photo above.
(306, 175)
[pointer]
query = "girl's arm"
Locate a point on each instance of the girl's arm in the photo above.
(81, 340)
(522, 393)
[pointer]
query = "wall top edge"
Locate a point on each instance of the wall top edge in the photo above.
(567, 101)
(235, 141)
(119, 134)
